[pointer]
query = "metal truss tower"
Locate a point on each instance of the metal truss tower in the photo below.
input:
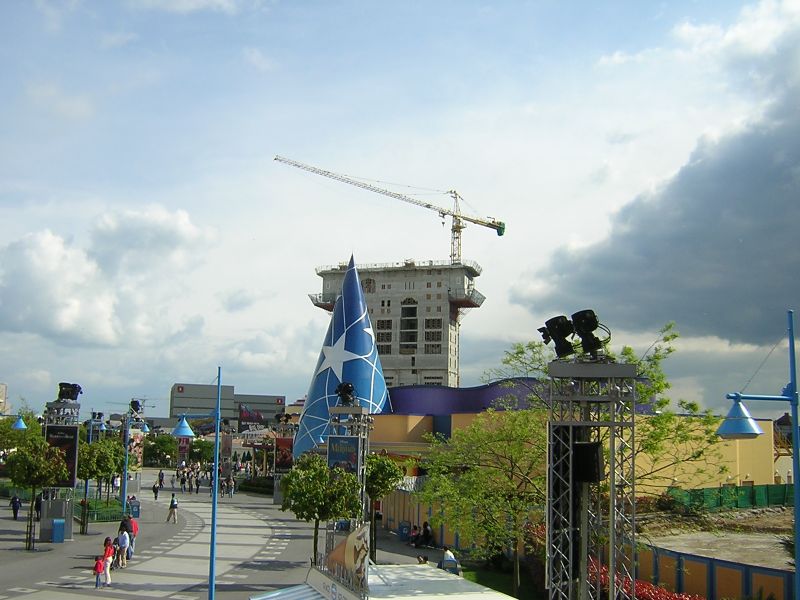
(590, 505)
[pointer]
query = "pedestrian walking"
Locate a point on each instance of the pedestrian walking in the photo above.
(155, 491)
(108, 558)
(134, 535)
(99, 568)
(15, 505)
(173, 510)
(37, 506)
(161, 478)
(197, 485)
(172, 481)
(124, 542)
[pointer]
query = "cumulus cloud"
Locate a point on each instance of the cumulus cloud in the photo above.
(140, 241)
(98, 296)
(56, 290)
(715, 248)
(238, 300)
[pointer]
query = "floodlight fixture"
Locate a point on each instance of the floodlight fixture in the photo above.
(346, 393)
(585, 323)
(69, 391)
(557, 330)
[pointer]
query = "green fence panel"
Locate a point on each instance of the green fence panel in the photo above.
(760, 497)
(728, 496)
(696, 499)
(745, 496)
(789, 500)
(711, 498)
(776, 495)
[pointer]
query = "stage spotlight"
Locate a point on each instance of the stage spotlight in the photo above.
(345, 391)
(585, 323)
(558, 329)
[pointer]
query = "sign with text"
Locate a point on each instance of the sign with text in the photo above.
(65, 438)
(283, 454)
(250, 419)
(343, 452)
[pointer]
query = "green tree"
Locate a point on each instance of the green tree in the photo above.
(35, 464)
(668, 442)
(383, 475)
(488, 477)
(12, 438)
(159, 450)
(315, 492)
(201, 451)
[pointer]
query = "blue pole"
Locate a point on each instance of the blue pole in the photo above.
(214, 492)
(86, 482)
(124, 488)
(792, 393)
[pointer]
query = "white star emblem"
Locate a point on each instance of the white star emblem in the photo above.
(335, 357)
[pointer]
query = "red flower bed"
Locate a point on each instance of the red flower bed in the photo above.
(644, 590)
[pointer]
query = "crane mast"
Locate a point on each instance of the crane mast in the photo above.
(458, 218)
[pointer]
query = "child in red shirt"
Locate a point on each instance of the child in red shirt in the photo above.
(99, 568)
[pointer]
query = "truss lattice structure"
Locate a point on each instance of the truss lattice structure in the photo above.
(590, 507)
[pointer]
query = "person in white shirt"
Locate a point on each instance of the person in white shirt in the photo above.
(448, 554)
(124, 540)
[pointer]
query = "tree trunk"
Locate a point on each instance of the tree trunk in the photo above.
(516, 581)
(30, 533)
(316, 534)
(373, 537)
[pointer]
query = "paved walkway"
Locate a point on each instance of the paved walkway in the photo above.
(259, 548)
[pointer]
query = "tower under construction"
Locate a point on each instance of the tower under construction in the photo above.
(415, 308)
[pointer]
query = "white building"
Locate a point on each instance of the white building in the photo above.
(416, 310)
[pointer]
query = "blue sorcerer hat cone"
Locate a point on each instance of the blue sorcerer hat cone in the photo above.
(349, 353)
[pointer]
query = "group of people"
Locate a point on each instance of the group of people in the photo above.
(117, 551)
(423, 537)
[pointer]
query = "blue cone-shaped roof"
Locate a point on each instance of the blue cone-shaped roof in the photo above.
(349, 353)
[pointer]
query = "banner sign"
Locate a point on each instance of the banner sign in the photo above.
(250, 419)
(184, 444)
(283, 454)
(65, 438)
(343, 452)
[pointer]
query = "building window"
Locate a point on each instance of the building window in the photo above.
(438, 284)
(427, 309)
(433, 348)
(433, 336)
(433, 323)
(438, 309)
(388, 303)
(427, 285)
(368, 285)
(427, 296)
(438, 296)
(383, 324)
(385, 349)
(385, 336)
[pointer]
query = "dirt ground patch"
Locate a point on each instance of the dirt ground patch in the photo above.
(777, 520)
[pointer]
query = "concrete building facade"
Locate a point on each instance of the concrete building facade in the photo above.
(202, 398)
(415, 308)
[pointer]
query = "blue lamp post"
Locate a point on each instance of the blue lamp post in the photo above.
(19, 424)
(126, 434)
(738, 424)
(95, 422)
(184, 430)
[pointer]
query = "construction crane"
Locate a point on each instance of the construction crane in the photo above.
(455, 213)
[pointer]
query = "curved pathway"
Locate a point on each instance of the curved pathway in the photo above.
(257, 548)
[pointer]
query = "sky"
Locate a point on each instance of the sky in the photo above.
(645, 157)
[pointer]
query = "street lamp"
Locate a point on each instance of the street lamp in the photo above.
(95, 422)
(183, 429)
(134, 411)
(19, 424)
(740, 425)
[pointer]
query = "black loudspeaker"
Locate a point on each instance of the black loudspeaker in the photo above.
(587, 462)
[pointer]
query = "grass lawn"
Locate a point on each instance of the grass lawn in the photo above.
(501, 582)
